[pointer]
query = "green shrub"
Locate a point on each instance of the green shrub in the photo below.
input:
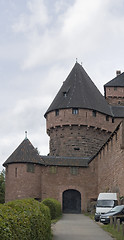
(54, 206)
(13, 225)
(26, 220)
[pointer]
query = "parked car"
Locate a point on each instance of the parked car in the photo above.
(117, 211)
(105, 202)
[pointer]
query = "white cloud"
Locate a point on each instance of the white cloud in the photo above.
(38, 54)
(36, 17)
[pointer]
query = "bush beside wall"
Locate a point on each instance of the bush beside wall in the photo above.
(54, 206)
(26, 220)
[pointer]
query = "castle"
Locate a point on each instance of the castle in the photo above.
(86, 155)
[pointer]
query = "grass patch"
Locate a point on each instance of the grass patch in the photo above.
(108, 228)
(89, 215)
(115, 234)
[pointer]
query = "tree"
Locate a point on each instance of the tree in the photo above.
(2, 186)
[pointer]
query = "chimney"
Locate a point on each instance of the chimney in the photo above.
(118, 72)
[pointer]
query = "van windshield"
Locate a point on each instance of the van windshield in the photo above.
(105, 203)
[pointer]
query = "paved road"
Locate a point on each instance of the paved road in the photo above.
(78, 227)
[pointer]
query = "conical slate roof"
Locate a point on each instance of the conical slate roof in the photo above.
(78, 91)
(25, 153)
(116, 82)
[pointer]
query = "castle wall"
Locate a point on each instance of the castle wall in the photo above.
(111, 165)
(84, 117)
(75, 141)
(54, 183)
(115, 95)
(22, 184)
(79, 134)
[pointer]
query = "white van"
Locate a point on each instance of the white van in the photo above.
(105, 202)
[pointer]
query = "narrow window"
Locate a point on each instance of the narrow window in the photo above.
(75, 111)
(30, 167)
(115, 88)
(112, 120)
(74, 170)
(94, 113)
(56, 112)
(107, 118)
(15, 172)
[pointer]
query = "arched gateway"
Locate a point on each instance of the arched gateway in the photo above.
(71, 201)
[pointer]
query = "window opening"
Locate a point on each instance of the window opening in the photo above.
(75, 111)
(74, 170)
(15, 172)
(65, 94)
(53, 169)
(56, 112)
(30, 167)
(94, 113)
(107, 118)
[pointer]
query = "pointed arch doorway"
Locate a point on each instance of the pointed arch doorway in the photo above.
(71, 201)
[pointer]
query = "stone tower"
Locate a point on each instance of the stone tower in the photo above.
(114, 90)
(79, 120)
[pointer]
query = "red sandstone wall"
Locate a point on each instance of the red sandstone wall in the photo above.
(84, 117)
(115, 96)
(54, 184)
(22, 184)
(78, 135)
(111, 166)
(76, 141)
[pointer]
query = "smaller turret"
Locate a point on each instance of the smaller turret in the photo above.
(114, 90)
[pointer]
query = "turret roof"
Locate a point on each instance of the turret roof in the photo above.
(25, 153)
(118, 81)
(78, 91)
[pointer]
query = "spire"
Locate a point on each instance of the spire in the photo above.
(81, 93)
(25, 135)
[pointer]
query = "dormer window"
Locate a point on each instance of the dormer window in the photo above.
(65, 94)
(75, 111)
(56, 112)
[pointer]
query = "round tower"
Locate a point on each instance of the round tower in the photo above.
(23, 173)
(79, 120)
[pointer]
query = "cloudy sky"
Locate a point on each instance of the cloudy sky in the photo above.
(39, 43)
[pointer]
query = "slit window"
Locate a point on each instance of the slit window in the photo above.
(15, 172)
(75, 111)
(112, 120)
(76, 148)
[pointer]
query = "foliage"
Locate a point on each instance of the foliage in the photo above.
(25, 219)
(54, 206)
(2, 186)
(115, 234)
